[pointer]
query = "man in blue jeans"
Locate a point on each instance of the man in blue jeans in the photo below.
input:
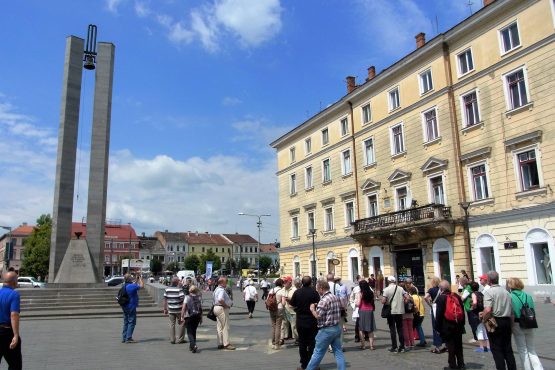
(327, 314)
(130, 310)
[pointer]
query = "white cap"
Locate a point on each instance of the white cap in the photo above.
(391, 279)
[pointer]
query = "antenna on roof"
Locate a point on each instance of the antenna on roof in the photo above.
(469, 4)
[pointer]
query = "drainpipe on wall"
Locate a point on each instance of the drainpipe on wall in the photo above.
(457, 147)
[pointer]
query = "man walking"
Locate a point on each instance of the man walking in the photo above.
(173, 303)
(130, 309)
(251, 297)
(306, 323)
(289, 315)
(498, 304)
(327, 313)
(394, 296)
(264, 286)
(10, 342)
(222, 304)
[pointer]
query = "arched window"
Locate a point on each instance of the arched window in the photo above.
(375, 259)
(331, 267)
(443, 260)
(296, 266)
(312, 266)
(487, 254)
(538, 247)
(353, 264)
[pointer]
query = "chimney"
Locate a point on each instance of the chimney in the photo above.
(143, 234)
(371, 73)
(421, 39)
(487, 2)
(351, 84)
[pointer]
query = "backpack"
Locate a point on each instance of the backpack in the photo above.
(453, 310)
(527, 318)
(410, 307)
(122, 297)
(194, 308)
(479, 302)
(271, 301)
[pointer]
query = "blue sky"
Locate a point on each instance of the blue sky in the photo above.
(200, 90)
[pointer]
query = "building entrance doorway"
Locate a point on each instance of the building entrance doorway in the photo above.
(410, 264)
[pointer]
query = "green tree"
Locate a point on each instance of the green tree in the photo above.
(192, 262)
(210, 256)
(155, 266)
(36, 254)
(230, 264)
(244, 263)
(265, 263)
(172, 266)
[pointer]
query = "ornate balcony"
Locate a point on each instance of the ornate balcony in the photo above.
(413, 224)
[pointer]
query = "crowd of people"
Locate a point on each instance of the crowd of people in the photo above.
(314, 313)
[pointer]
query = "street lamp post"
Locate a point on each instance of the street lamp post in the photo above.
(465, 206)
(313, 262)
(258, 224)
(6, 248)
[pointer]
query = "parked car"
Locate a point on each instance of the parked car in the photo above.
(29, 282)
(114, 281)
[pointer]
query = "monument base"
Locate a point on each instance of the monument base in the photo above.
(77, 266)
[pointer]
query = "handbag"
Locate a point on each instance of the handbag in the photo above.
(527, 318)
(211, 315)
(386, 309)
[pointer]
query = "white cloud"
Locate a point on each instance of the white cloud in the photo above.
(230, 101)
(142, 9)
(258, 132)
(113, 5)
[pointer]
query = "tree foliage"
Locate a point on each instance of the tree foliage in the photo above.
(265, 263)
(36, 254)
(192, 262)
(209, 256)
(172, 266)
(155, 266)
(244, 263)
(230, 264)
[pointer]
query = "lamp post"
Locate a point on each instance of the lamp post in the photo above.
(258, 224)
(313, 262)
(465, 206)
(6, 248)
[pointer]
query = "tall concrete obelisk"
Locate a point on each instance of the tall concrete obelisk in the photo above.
(80, 261)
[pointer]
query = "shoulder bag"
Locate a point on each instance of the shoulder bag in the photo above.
(386, 309)
(527, 318)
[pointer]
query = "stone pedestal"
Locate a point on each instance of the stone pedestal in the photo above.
(77, 266)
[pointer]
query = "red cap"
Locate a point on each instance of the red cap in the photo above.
(483, 277)
(287, 278)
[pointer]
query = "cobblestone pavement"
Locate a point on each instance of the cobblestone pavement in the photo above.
(95, 343)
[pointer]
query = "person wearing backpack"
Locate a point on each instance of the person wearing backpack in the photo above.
(274, 306)
(477, 306)
(524, 337)
(191, 315)
(450, 322)
(130, 309)
(498, 304)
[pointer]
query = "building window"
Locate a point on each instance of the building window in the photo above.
(308, 146)
(368, 149)
(479, 182)
(295, 227)
(397, 140)
(325, 136)
(292, 154)
(308, 178)
(346, 162)
(431, 130)
(326, 170)
(509, 37)
(366, 113)
(402, 198)
(436, 188)
(349, 213)
(515, 83)
(426, 83)
(373, 205)
(471, 114)
(394, 100)
(310, 221)
(328, 219)
(344, 126)
(466, 64)
(528, 170)
(293, 183)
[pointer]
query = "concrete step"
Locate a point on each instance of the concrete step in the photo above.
(114, 311)
(77, 307)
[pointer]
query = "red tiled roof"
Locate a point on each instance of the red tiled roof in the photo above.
(268, 248)
(206, 238)
(23, 230)
(241, 238)
(116, 232)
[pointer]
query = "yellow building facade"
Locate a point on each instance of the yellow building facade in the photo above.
(463, 120)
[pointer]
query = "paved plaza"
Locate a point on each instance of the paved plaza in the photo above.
(95, 343)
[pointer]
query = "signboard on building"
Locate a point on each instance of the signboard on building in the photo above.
(136, 263)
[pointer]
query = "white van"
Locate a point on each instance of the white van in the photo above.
(184, 274)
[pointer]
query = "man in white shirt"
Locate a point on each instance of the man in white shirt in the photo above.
(222, 304)
(251, 297)
(394, 296)
(264, 286)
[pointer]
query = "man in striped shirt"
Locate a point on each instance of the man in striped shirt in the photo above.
(327, 314)
(173, 303)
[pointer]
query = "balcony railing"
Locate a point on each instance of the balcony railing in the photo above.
(412, 216)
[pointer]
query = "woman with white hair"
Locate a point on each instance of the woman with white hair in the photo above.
(251, 297)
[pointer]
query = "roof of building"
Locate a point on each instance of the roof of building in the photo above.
(122, 232)
(268, 248)
(151, 243)
(241, 238)
(23, 230)
(195, 238)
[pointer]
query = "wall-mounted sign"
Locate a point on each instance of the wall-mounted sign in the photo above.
(510, 245)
